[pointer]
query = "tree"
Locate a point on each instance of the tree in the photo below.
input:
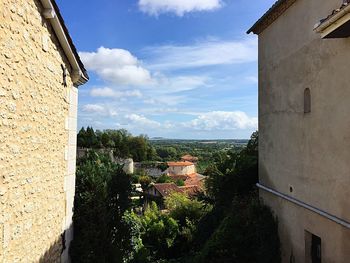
(180, 182)
(91, 140)
(248, 233)
(102, 196)
(159, 231)
(235, 174)
(164, 179)
(145, 181)
(214, 183)
(81, 138)
(182, 208)
(167, 153)
(162, 166)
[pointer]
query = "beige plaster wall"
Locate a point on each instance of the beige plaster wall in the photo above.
(308, 152)
(36, 133)
(182, 170)
(294, 221)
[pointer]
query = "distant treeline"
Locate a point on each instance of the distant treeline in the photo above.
(123, 144)
(142, 149)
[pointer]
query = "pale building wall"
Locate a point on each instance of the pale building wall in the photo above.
(181, 170)
(37, 137)
(308, 152)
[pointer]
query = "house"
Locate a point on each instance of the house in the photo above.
(190, 179)
(40, 71)
(180, 168)
(185, 171)
(304, 142)
(189, 158)
(158, 192)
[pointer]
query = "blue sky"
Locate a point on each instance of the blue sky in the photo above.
(169, 68)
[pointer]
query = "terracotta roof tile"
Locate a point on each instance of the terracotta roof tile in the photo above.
(189, 158)
(167, 188)
(333, 13)
(170, 164)
(190, 190)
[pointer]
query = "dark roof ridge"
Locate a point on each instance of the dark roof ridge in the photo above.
(270, 16)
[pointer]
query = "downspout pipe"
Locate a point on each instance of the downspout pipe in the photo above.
(295, 201)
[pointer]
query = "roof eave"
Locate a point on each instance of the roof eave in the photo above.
(52, 14)
(334, 22)
(270, 16)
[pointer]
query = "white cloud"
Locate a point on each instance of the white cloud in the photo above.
(222, 120)
(118, 66)
(169, 100)
(207, 53)
(179, 7)
(181, 83)
(141, 121)
(99, 110)
(93, 108)
(111, 93)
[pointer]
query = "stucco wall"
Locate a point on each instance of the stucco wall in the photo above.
(37, 129)
(308, 152)
(181, 170)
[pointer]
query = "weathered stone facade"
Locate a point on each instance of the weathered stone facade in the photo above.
(37, 135)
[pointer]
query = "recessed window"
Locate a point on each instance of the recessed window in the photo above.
(313, 248)
(307, 100)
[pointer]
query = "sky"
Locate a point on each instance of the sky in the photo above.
(183, 69)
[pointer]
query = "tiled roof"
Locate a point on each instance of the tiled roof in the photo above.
(189, 179)
(179, 164)
(178, 177)
(166, 189)
(345, 4)
(189, 158)
(271, 15)
(190, 190)
(194, 179)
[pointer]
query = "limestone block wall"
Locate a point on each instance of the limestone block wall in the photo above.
(37, 124)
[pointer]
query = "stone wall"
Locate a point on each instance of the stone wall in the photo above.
(35, 178)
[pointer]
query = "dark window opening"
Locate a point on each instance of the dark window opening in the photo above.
(316, 249)
(307, 100)
(313, 248)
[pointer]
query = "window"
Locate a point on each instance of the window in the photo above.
(307, 100)
(313, 248)
(316, 249)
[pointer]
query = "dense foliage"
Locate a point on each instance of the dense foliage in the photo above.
(141, 149)
(123, 144)
(227, 223)
(102, 196)
(167, 235)
(239, 228)
(169, 150)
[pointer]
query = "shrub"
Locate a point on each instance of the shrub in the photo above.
(248, 234)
